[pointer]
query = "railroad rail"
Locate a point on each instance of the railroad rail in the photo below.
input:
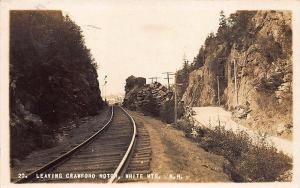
(108, 151)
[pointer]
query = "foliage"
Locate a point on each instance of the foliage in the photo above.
(209, 39)
(226, 143)
(249, 161)
(200, 58)
(46, 50)
(167, 111)
(52, 77)
(262, 163)
(271, 49)
(222, 20)
(262, 52)
(186, 67)
(233, 29)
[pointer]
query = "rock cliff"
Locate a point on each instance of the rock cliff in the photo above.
(53, 78)
(153, 99)
(259, 45)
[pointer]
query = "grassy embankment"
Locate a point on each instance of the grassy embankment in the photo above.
(248, 161)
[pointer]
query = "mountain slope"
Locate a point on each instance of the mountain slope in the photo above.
(53, 77)
(260, 44)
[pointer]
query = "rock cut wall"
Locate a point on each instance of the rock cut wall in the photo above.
(260, 42)
(53, 77)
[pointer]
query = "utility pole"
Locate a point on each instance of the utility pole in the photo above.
(168, 78)
(153, 78)
(235, 82)
(218, 90)
(175, 99)
(104, 86)
(175, 105)
(218, 83)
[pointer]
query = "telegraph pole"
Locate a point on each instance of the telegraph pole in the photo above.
(104, 86)
(218, 90)
(175, 99)
(168, 74)
(218, 83)
(175, 105)
(235, 82)
(153, 78)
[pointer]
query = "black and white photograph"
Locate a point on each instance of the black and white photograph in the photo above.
(149, 92)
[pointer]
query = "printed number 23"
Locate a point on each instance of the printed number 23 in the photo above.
(22, 175)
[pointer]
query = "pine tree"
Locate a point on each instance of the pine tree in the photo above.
(222, 20)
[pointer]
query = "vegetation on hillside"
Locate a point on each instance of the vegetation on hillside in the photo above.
(53, 78)
(259, 45)
(248, 161)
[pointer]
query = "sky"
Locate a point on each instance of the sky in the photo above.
(142, 39)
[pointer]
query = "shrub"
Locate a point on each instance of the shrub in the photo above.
(248, 161)
(226, 143)
(167, 111)
(263, 163)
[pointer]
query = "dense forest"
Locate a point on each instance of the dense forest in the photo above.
(53, 78)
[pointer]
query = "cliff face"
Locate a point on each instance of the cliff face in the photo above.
(260, 43)
(52, 77)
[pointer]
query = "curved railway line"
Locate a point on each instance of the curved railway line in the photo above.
(119, 148)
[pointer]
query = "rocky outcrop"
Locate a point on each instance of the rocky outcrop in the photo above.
(260, 44)
(132, 87)
(53, 78)
(153, 99)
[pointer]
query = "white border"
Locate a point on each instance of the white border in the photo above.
(7, 5)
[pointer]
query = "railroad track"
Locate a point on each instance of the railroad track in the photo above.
(118, 148)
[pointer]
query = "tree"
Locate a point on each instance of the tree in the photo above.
(222, 20)
(186, 65)
(209, 39)
(200, 58)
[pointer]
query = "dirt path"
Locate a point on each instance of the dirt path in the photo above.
(176, 158)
